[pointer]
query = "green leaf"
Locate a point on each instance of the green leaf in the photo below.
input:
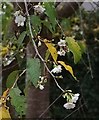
(82, 45)
(36, 24)
(11, 79)
(48, 25)
(21, 38)
(74, 48)
(47, 55)
(50, 12)
(65, 24)
(6, 20)
(18, 101)
(34, 70)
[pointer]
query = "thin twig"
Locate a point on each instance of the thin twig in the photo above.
(50, 105)
(90, 66)
(18, 5)
(36, 50)
(82, 29)
(18, 78)
(60, 28)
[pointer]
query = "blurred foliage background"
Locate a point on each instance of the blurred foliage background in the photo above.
(86, 70)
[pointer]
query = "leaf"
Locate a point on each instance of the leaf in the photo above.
(21, 38)
(47, 55)
(18, 101)
(82, 45)
(68, 68)
(11, 79)
(4, 113)
(51, 49)
(34, 70)
(65, 24)
(50, 12)
(5, 93)
(48, 25)
(74, 48)
(3, 50)
(36, 24)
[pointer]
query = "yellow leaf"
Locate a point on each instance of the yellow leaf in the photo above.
(68, 68)
(3, 97)
(3, 50)
(5, 93)
(4, 113)
(51, 49)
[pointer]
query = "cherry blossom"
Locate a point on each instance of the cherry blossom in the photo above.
(39, 9)
(20, 20)
(57, 69)
(41, 87)
(61, 52)
(69, 105)
(62, 43)
(39, 43)
(75, 98)
(4, 6)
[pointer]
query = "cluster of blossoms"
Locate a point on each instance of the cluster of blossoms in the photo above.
(19, 19)
(71, 100)
(41, 82)
(62, 45)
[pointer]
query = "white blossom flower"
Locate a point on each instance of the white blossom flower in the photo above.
(4, 6)
(20, 20)
(57, 69)
(76, 27)
(69, 105)
(39, 8)
(61, 52)
(75, 98)
(41, 87)
(76, 95)
(41, 78)
(62, 43)
(17, 13)
(39, 43)
(81, 32)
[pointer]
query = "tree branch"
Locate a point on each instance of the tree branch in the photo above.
(35, 47)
